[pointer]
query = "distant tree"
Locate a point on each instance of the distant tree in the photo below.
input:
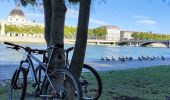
(69, 32)
(100, 32)
(149, 36)
(0, 27)
(135, 35)
(25, 29)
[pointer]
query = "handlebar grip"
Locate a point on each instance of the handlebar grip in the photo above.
(15, 45)
(7, 43)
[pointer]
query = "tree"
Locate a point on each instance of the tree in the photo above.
(100, 32)
(26, 29)
(69, 32)
(81, 39)
(149, 36)
(135, 35)
(0, 27)
(54, 11)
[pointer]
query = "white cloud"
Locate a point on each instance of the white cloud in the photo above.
(35, 15)
(141, 17)
(71, 13)
(98, 22)
(147, 22)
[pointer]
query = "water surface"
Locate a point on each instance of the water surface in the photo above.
(93, 52)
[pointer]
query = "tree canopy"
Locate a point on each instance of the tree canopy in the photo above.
(149, 36)
(100, 32)
(0, 26)
(25, 29)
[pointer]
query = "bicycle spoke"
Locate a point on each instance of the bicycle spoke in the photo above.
(66, 87)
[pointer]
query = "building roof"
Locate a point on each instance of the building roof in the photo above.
(17, 12)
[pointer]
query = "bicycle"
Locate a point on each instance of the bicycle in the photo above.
(55, 85)
(90, 80)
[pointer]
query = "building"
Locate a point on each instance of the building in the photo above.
(113, 33)
(17, 17)
(126, 35)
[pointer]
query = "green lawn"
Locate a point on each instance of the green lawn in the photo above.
(137, 84)
(134, 84)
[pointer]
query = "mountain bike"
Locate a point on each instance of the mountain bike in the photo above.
(90, 80)
(60, 84)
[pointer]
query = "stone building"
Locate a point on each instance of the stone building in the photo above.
(113, 33)
(17, 17)
(126, 35)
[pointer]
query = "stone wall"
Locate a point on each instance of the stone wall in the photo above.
(23, 35)
(22, 39)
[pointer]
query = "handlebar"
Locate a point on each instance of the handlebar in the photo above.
(17, 47)
(27, 49)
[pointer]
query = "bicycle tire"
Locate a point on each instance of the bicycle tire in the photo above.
(37, 72)
(69, 77)
(98, 83)
(14, 85)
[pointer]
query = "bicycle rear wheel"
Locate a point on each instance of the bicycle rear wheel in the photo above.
(91, 83)
(66, 85)
(18, 85)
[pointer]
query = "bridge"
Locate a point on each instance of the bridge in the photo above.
(144, 43)
(97, 42)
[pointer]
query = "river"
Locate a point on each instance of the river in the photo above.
(93, 52)
(10, 58)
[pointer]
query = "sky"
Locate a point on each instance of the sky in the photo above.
(130, 15)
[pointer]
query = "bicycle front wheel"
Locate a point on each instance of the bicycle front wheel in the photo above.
(18, 85)
(91, 83)
(66, 85)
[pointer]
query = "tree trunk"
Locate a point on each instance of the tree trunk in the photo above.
(47, 18)
(57, 33)
(55, 11)
(81, 39)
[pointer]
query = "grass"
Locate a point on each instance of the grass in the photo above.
(133, 84)
(137, 84)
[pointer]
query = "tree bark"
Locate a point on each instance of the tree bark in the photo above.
(55, 11)
(57, 33)
(81, 38)
(47, 18)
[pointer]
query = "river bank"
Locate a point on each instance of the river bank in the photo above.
(152, 83)
(7, 69)
(119, 65)
(41, 40)
(23, 39)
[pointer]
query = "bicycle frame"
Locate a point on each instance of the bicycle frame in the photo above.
(43, 66)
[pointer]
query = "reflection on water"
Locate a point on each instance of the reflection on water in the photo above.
(93, 52)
